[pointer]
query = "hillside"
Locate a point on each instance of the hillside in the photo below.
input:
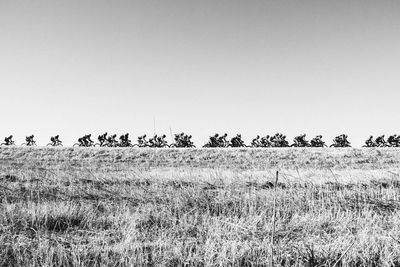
(242, 159)
(201, 207)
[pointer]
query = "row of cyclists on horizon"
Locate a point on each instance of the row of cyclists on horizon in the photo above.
(182, 140)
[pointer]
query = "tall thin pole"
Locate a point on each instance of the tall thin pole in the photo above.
(273, 221)
(154, 125)
(170, 131)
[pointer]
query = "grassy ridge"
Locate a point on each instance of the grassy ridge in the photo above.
(260, 159)
(103, 207)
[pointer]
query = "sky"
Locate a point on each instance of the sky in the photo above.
(251, 67)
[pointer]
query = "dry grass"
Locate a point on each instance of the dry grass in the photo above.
(121, 207)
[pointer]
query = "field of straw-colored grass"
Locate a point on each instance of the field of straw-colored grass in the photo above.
(199, 207)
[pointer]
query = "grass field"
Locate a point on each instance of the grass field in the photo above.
(201, 207)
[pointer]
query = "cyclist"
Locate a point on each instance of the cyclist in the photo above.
(81, 141)
(124, 140)
(142, 142)
(8, 140)
(188, 141)
(317, 141)
(153, 141)
(256, 141)
(161, 141)
(393, 140)
(300, 141)
(214, 140)
(87, 141)
(265, 141)
(53, 141)
(222, 140)
(237, 141)
(57, 140)
(102, 138)
(111, 140)
(380, 141)
(29, 140)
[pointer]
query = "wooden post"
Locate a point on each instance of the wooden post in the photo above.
(273, 221)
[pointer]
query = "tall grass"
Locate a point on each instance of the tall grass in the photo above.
(69, 209)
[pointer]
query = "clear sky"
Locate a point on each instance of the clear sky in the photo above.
(253, 67)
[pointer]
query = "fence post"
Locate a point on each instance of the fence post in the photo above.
(273, 221)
